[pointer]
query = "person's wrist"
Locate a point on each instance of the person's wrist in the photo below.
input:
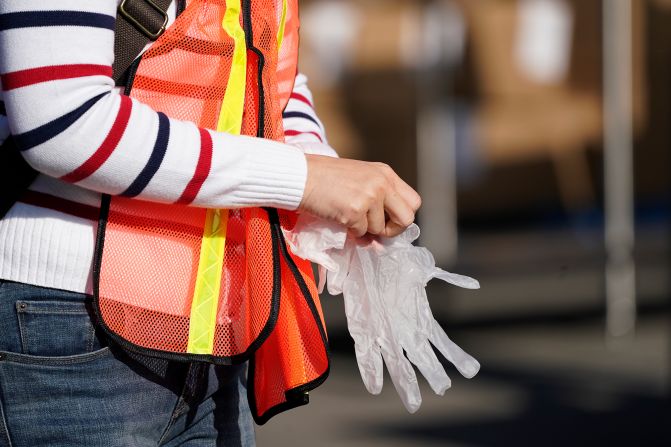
(311, 162)
(314, 148)
(275, 175)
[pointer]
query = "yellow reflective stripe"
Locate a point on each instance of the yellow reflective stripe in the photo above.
(205, 302)
(283, 23)
(230, 117)
(208, 283)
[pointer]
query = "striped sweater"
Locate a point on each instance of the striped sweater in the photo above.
(59, 103)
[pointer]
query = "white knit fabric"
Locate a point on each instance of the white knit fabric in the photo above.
(52, 249)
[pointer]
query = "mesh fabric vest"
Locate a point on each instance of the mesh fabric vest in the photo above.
(186, 283)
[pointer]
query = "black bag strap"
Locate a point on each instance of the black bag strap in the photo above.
(15, 175)
(138, 22)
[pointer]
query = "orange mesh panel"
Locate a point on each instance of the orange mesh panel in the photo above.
(161, 248)
(151, 254)
(294, 357)
(265, 25)
(149, 271)
(247, 284)
(250, 123)
(184, 73)
(288, 220)
(288, 55)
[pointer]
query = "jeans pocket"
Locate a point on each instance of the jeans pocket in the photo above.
(55, 328)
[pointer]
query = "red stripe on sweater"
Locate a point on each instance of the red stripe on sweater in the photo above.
(110, 143)
(55, 203)
(31, 76)
(301, 98)
(293, 133)
(202, 169)
(60, 204)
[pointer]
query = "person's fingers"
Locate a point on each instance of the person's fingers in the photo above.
(347, 191)
(407, 193)
(392, 229)
(360, 227)
(376, 219)
(411, 197)
(398, 209)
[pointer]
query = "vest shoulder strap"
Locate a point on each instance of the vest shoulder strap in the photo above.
(137, 23)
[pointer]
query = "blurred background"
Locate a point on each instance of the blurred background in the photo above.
(538, 133)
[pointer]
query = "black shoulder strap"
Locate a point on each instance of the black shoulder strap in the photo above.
(138, 22)
(15, 175)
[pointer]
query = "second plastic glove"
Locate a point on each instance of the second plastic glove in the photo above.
(388, 315)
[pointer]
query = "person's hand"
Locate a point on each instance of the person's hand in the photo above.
(365, 197)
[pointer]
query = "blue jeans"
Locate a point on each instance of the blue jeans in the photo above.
(62, 385)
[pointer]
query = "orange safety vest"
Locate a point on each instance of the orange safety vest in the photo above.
(221, 286)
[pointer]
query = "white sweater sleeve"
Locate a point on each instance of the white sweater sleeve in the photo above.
(302, 126)
(70, 123)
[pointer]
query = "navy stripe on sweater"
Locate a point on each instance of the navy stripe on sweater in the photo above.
(39, 135)
(30, 19)
(155, 160)
(300, 115)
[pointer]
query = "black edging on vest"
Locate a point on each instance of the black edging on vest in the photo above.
(132, 347)
(249, 37)
(20, 175)
(295, 397)
(298, 396)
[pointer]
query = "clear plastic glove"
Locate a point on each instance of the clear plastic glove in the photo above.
(383, 283)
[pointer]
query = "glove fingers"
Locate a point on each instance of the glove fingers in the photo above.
(322, 279)
(458, 280)
(428, 364)
(467, 365)
(336, 279)
(361, 323)
(403, 377)
(369, 359)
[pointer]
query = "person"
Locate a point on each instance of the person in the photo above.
(61, 381)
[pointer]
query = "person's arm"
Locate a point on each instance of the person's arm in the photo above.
(69, 122)
(302, 126)
(301, 123)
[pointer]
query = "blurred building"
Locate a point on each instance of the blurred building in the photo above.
(494, 109)
(534, 109)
